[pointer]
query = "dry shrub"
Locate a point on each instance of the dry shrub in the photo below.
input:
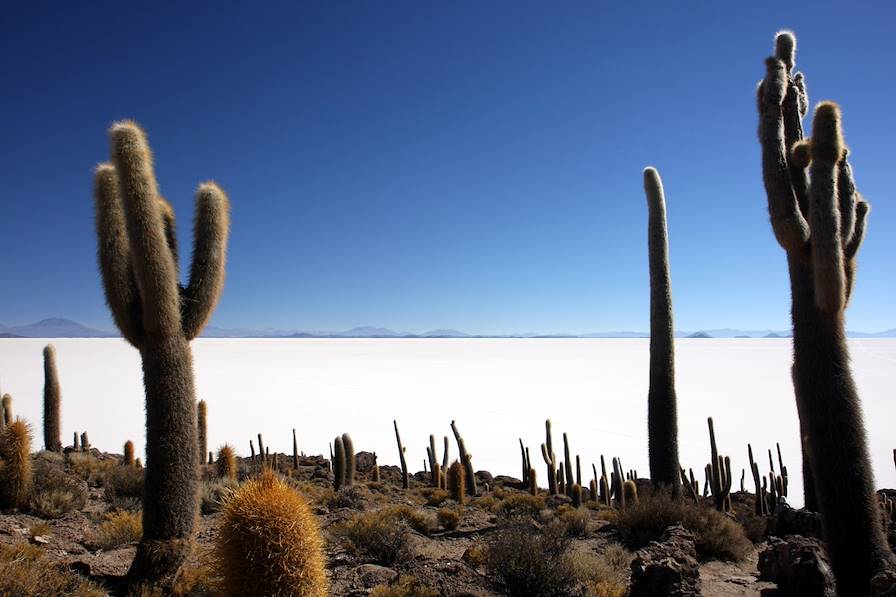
(269, 542)
(381, 536)
(351, 497)
(124, 481)
(476, 555)
(519, 504)
(606, 574)
(118, 528)
(38, 529)
(435, 497)
(486, 502)
(214, 493)
(716, 534)
(88, 467)
(448, 518)
(55, 493)
(25, 573)
(405, 586)
(532, 562)
(576, 521)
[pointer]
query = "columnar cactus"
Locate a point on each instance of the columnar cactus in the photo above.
(719, 472)
(295, 451)
(262, 452)
(818, 217)
(533, 482)
(52, 437)
(630, 491)
(85, 442)
(128, 459)
(526, 466)
(349, 448)
(6, 403)
(202, 429)
(550, 459)
(156, 314)
(568, 466)
(467, 460)
(576, 495)
(226, 463)
(662, 415)
(405, 477)
(76, 443)
(457, 485)
(433, 457)
(338, 464)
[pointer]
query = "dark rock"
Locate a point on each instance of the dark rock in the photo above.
(505, 481)
(558, 500)
(787, 521)
(364, 462)
(485, 477)
(668, 568)
(798, 565)
(371, 575)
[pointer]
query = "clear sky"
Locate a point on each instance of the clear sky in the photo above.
(421, 165)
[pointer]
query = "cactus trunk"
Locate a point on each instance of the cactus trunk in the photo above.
(52, 437)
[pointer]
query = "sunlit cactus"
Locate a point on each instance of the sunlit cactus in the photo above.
(819, 218)
(52, 398)
(15, 474)
(662, 414)
(202, 429)
(225, 465)
(156, 314)
(128, 458)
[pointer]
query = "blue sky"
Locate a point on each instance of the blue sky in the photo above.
(418, 165)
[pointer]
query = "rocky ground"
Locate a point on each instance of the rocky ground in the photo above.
(432, 547)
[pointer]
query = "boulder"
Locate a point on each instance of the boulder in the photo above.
(798, 565)
(668, 568)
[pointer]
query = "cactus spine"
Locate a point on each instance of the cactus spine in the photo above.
(467, 460)
(128, 459)
(138, 261)
(550, 459)
(52, 437)
(405, 477)
(819, 219)
(269, 542)
(662, 416)
(15, 475)
(202, 429)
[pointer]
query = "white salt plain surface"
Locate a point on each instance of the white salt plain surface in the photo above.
(498, 390)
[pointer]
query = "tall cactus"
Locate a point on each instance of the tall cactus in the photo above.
(349, 448)
(719, 473)
(156, 314)
(466, 459)
(819, 219)
(338, 464)
(202, 429)
(567, 463)
(405, 477)
(550, 459)
(6, 403)
(52, 437)
(662, 416)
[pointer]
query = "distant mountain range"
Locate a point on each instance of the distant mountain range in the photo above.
(66, 328)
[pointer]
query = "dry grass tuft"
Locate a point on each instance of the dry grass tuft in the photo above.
(25, 573)
(213, 494)
(606, 574)
(89, 468)
(55, 493)
(269, 542)
(531, 562)
(118, 528)
(519, 504)
(449, 518)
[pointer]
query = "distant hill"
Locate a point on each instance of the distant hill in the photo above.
(55, 327)
(58, 327)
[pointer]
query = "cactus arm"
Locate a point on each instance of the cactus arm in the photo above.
(151, 259)
(445, 453)
(211, 231)
(788, 223)
(170, 223)
(824, 213)
(114, 255)
(847, 199)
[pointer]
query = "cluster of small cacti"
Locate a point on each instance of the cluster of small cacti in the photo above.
(343, 462)
(718, 474)
(437, 470)
(466, 459)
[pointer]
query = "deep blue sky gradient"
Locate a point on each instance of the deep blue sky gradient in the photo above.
(419, 165)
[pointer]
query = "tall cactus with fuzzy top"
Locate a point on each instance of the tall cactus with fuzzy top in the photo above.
(138, 259)
(52, 437)
(662, 415)
(202, 429)
(819, 219)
